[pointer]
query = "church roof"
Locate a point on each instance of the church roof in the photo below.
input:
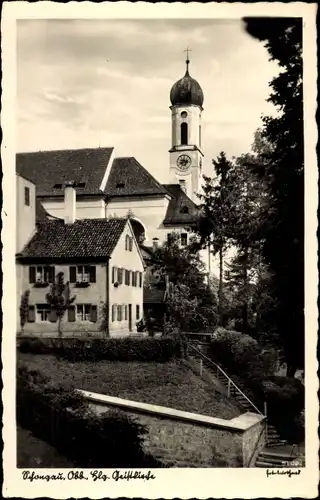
(186, 91)
(86, 238)
(50, 169)
(181, 209)
(128, 178)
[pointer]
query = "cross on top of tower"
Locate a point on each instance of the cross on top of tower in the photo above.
(187, 50)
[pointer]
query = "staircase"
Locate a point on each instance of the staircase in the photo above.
(277, 453)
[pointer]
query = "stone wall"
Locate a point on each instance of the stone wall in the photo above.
(183, 439)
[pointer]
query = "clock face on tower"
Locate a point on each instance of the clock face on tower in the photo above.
(183, 162)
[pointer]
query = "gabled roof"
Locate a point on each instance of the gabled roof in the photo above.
(41, 213)
(129, 178)
(48, 169)
(181, 210)
(86, 238)
(146, 252)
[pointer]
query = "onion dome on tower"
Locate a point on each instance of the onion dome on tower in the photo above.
(186, 91)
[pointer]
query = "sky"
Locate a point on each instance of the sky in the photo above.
(91, 83)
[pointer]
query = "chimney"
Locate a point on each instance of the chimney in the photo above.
(155, 243)
(69, 203)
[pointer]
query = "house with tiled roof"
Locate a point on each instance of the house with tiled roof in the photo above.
(101, 261)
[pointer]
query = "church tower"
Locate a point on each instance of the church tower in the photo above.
(186, 155)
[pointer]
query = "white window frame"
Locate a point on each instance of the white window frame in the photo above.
(82, 316)
(82, 276)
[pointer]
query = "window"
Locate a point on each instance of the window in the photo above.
(119, 313)
(137, 311)
(127, 277)
(114, 274)
(184, 210)
(184, 133)
(182, 183)
(27, 196)
(114, 312)
(126, 312)
(134, 278)
(184, 239)
(129, 243)
(140, 280)
(120, 185)
(86, 312)
(82, 274)
(41, 274)
(42, 312)
(169, 238)
(120, 275)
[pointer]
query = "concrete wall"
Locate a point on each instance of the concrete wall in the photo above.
(25, 215)
(126, 294)
(183, 439)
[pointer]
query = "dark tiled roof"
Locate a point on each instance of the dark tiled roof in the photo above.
(49, 168)
(41, 213)
(85, 238)
(146, 252)
(153, 296)
(181, 210)
(129, 178)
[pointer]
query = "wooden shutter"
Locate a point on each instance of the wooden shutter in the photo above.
(73, 274)
(51, 274)
(53, 316)
(32, 274)
(126, 312)
(130, 243)
(92, 274)
(140, 280)
(31, 314)
(114, 312)
(71, 314)
(93, 314)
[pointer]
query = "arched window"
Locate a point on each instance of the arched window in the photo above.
(184, 133)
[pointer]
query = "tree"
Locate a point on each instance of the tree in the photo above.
(183, 266)
(59, 298)
(283, 170)
(215, 224)
(24, 309)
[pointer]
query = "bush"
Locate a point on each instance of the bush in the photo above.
(126, 349)
(240, 353)
(64, 420)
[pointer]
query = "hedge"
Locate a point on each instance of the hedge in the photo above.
(126, 349)
(241, 356)
(64, 420)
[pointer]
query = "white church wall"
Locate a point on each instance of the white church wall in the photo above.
(85, 209)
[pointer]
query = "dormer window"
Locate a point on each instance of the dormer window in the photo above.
(81, 185)
(120, 185)
(184, 210)
(57, 186)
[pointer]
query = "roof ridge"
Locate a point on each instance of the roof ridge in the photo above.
(61, 150)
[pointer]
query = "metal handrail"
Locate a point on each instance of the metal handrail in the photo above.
(226, 376)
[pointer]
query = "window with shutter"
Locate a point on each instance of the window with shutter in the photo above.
(126, 312)
(94, 314)
(31, 314)
(120, 272)
(137, 311)
(119, 313)
(72, 274)
(92, 274)
(114, 309)
(130, 243)
(32, 274)
(27, 196)
(51, 274)
(140, 280)
(53, 316)
(71, 314)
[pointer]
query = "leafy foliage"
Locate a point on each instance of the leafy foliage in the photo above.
(126, 349)
(24, 309)
(64, 420)
(282, 169)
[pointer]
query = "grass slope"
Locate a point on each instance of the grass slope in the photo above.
(167, 384)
